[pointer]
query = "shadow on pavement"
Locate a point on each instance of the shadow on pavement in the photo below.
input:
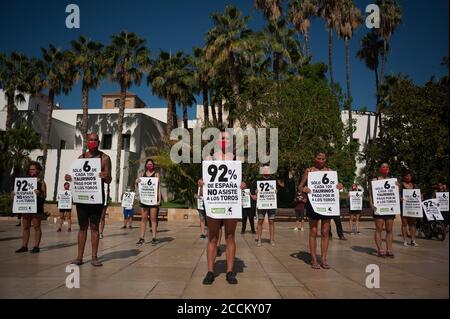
(220, 267)
(58, 246)
(367, 250)
(165, 239)
(10, 238)
(120, 254)
(303, 255)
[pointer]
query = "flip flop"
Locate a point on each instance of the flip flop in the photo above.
(77, 262)
(96, 263)
(315, 266)
(325, 266)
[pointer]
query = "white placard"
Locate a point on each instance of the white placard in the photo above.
(386, 197)
(431, 209)
(148, 190)
(324, 196)
(442, 198)
(200, 205)
(25, 199)
(246, 201)
(65, 199)
(222, 195)
(128, 200)
(266, 196)
(86, 181)
(356, 200)
(412, 203)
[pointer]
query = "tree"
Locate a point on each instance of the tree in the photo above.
(172, 79)
(226, 41)
(204, 71)
(271, 8)
(128, 59)
(328, 10)
(349, 18)
(415, 134)
(90, 66)
(14, 75)
(16, 145)
(55, 73)
(371, 46)
(301, 13)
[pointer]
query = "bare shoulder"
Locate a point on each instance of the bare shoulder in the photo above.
(106, 157)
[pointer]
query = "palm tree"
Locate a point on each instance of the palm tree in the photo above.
(225, 42)
(203, 73)
(280, 43)
(270, 8)
(390, 18)
(14, 73)
(55, 73)
(127, 59)
(348, 20)
(328, 11)
(300, 14)
(91, 68)
(371, 46)
(171, 78)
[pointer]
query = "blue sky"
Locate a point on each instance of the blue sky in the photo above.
(417, 46)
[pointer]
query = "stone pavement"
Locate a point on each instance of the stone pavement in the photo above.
(175, 267)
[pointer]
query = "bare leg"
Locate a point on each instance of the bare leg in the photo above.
(69, 220)
(412, 228)
(357, 222)
(389, 234)
(102, 220)
(144, 218)
(404, 225)
(230, 229)
(379, 224)
(272, 230)
(61, 220)
(313, 224)
(82, 236)
(153, 212)
(213, 235)
(260, 228)
(37, 231)
(26, 222)
(325, 228)
(94, 239)
(202, 225)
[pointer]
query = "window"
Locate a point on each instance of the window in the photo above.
(107, 141)
(126, 142)
(116, 103)
(62, 145)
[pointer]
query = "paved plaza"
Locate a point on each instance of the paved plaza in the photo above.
(176, 266)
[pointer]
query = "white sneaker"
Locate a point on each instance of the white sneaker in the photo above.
(259, 243)
(414, 244)
(405, 243)
(272, 242)
(296, 228)
(302, 229)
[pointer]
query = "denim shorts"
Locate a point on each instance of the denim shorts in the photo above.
(270, 213)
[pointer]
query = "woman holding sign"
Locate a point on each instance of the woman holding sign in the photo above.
(65, 213)
(314, 217)
(34, 170)
(355, 212)
(214, 224)
(147, 209)
(406, 220)
(382, 221)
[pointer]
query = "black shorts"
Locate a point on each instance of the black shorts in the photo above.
(62, 211)
(312, 215)
(385, 217)
(300, 214)
(354, 212)
(148, 206)
(89, 214)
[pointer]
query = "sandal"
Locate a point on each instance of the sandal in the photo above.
(381, 253)
(77, 262)
(96, 263)
(325, 266)
(315, 266)
(390, 254)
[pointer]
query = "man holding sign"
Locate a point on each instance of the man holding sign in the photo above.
(385, 202)
(322, 205)
(29, 197)
(266, 203)
(89, 174)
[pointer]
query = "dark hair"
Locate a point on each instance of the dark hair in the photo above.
(145, 165)
(319, 151)
(66, 183)
(407, 172)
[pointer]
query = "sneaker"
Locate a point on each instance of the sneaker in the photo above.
(35, 250)
(219, 252)
(59, 230)
(155, 241)
(414, 244)
(231, 278)
(342, 238)
(140, 242)
(302, 229)
(209, 278)
(296, 228)
(130, 227)
(22, 250)
(259, 243)
(123, 227)
(272, 242)
(69, 230)
(405, 243)
(101, 236)
(202, 236)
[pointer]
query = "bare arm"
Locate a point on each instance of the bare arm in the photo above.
(303, 182)
(106, 169)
